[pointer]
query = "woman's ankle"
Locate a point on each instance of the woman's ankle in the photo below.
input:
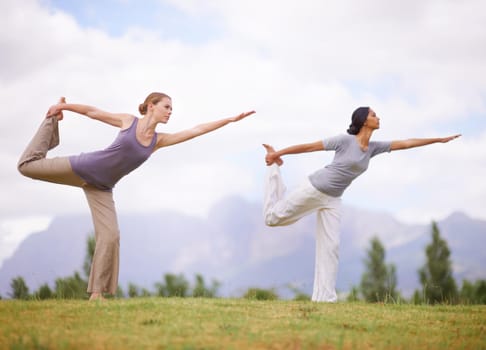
(96, 296)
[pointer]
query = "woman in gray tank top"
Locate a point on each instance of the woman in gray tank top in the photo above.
(321, 193)
(98, 172)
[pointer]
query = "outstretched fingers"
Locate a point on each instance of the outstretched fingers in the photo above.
(450, 138)
(241, 116)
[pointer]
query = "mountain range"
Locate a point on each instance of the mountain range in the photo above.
(233, 246)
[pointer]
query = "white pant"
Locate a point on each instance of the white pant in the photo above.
(280, 211)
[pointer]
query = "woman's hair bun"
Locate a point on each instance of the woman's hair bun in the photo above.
(142, 108)
(352, 130)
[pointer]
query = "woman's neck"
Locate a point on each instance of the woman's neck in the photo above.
(147, 124)
(363, 138)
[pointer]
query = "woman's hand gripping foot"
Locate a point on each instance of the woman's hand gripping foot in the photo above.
(272, 156)
(56, 110)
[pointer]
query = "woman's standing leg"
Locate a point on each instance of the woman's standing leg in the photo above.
(279, 211)
(327, 252)
(103, 277)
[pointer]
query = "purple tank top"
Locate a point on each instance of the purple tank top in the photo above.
(103, 169)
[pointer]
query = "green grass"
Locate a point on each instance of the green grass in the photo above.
(175, 323)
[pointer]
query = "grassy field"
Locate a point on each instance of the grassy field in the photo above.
(189, 323)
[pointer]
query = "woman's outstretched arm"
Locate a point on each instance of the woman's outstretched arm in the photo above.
(273, 156)
(411, 143)
(121, 120)
(165, 139)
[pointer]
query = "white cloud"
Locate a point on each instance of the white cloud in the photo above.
(15, 229)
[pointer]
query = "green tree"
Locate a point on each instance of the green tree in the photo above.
(133, 290)
(353, 294)
(174, 286)
(480, 291)
(467, 294)
(44, 292)
(417, 298)
(88, 259)
(72, 287)
(299, 295)
(480, 288)
(119, 292)
(144, 292)
(378, 282)
(200, 289)
(438, 285)
(260, 294)
(473, 293)
(19, 289)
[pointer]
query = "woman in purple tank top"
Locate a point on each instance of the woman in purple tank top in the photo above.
(98, 172)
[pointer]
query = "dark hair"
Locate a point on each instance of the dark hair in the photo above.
(153, 98)
(358, 119)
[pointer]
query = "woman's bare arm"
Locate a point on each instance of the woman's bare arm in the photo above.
(166, 139)
(273, 156)
(411, 143)
(121, 120)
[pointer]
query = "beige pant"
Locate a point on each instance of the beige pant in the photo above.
(33, 163)
(280, 210)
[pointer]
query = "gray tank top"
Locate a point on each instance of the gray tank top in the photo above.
(103, 169)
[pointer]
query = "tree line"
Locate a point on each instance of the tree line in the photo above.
(378, 282)
(75, 286)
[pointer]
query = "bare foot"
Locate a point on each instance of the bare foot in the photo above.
(60, 116)
(55, 111)
(269, 158)
(96, 296)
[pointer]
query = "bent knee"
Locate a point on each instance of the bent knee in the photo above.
(270, 223)
(272, 220)
(26, 170)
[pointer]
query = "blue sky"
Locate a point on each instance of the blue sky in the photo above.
(303, 66)
(115, 16)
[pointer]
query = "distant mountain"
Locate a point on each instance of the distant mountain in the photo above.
(234, 247)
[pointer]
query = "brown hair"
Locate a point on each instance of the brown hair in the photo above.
(153, 98)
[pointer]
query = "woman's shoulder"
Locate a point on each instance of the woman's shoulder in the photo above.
(128, 120)
(337, 141)
(342, 138)
(379, 143)
(377, 147)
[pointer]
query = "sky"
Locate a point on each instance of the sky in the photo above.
(304, 66)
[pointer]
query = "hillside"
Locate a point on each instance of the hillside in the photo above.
(234, 246)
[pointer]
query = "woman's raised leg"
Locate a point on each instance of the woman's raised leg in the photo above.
(34, 164)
